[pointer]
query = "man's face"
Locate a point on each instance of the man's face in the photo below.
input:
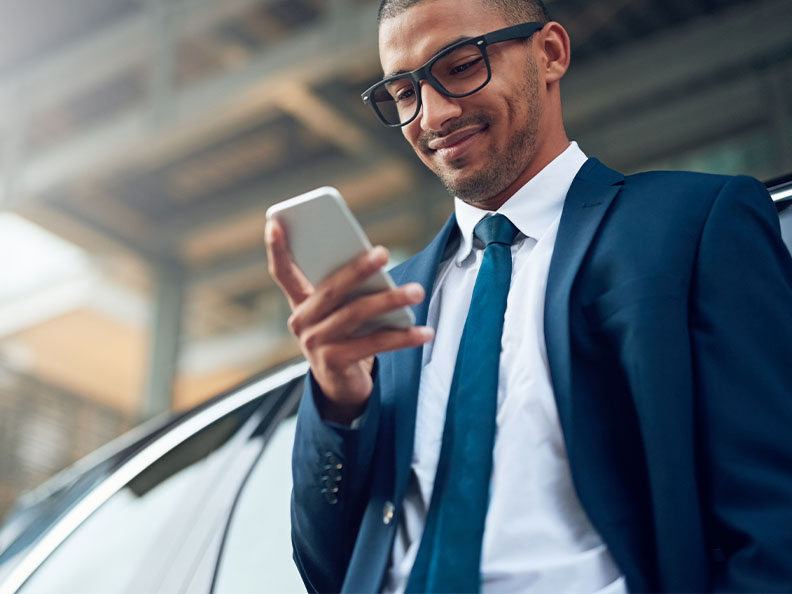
(481, 144)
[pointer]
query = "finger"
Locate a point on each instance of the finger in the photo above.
(282, 268)
(346, 320)
(334, 291)
(357, 348)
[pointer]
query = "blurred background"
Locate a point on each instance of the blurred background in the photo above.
(141, 142)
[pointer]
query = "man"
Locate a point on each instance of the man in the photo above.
(642, 403)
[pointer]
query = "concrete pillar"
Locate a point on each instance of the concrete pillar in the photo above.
(164, 339)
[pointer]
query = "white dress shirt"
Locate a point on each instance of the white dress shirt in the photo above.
(537, 537)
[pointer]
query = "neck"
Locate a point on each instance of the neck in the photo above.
(541, 160)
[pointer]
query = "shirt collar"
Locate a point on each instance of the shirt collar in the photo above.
(533, 207)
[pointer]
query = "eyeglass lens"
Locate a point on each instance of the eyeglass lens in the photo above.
(460, 72)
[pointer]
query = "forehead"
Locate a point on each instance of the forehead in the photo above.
(407, 40)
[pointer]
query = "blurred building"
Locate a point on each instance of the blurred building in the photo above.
(148, 137)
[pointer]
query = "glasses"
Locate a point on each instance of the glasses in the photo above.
(459, 70)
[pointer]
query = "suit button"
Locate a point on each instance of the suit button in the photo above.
(330, 495)
(387, 513)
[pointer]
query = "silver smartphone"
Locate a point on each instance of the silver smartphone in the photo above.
(323, 235)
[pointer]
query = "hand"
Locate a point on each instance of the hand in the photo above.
(325, 324)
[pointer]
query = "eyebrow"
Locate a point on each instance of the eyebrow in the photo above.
(442, 49)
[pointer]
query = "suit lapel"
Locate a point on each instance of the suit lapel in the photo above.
(587, 201)
(399, 377)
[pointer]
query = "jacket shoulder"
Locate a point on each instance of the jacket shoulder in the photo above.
(680, 180)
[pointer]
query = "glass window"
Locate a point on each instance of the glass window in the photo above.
(257, 555)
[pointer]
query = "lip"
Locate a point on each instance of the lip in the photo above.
(453, 145)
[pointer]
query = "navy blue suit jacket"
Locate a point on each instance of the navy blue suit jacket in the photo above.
(668, 327)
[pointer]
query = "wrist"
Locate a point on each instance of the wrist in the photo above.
(341, 414)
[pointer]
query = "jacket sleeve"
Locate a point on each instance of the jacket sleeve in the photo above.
(741, 332)
(331, 467)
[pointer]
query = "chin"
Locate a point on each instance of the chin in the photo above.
(469, 189)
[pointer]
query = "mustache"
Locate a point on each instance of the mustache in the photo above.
(427, 136)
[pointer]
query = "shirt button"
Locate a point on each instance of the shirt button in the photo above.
(387, 513)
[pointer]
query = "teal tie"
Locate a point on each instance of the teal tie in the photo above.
(449, 556)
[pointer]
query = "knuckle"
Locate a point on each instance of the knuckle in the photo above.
(350, 313)
(294, 325)
(328, 292)
(398, 297)
(403, 339)
(310, 340)
(362, 267)
(319, 355)
(331, 357)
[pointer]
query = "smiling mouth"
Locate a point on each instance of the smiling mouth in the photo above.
(454, 145)
(454, 138)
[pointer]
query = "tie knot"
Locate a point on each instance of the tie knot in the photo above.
(495, 229)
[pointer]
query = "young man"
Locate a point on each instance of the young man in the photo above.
(627, 428)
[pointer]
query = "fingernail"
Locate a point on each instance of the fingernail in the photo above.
(377, 253)
(426, 332)
(414, 291)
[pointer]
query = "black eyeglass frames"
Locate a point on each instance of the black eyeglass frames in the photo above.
(458, 70)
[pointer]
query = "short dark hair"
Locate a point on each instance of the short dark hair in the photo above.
(515, 11)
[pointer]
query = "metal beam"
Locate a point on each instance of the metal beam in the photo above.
(634, 139)
(116, 46)
(331, 170)
(314, 55)
(594, 16)
(164, 59)
(597, 87)
(679, 59)
(778, 86)
(320, 117)
(254, 261)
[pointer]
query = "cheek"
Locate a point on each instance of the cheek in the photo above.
(411, 133)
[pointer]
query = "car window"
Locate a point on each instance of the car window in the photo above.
(110, 549)
(257, 553)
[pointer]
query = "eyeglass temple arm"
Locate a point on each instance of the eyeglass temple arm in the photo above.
(515, 32)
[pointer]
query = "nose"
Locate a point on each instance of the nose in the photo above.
(436, 108)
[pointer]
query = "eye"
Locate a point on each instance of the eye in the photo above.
(404, 95)
(461, 63)
(460, 68)
(401, 91)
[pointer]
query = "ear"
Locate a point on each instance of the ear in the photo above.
(553, 45)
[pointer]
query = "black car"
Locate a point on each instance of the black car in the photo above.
(199, 503)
